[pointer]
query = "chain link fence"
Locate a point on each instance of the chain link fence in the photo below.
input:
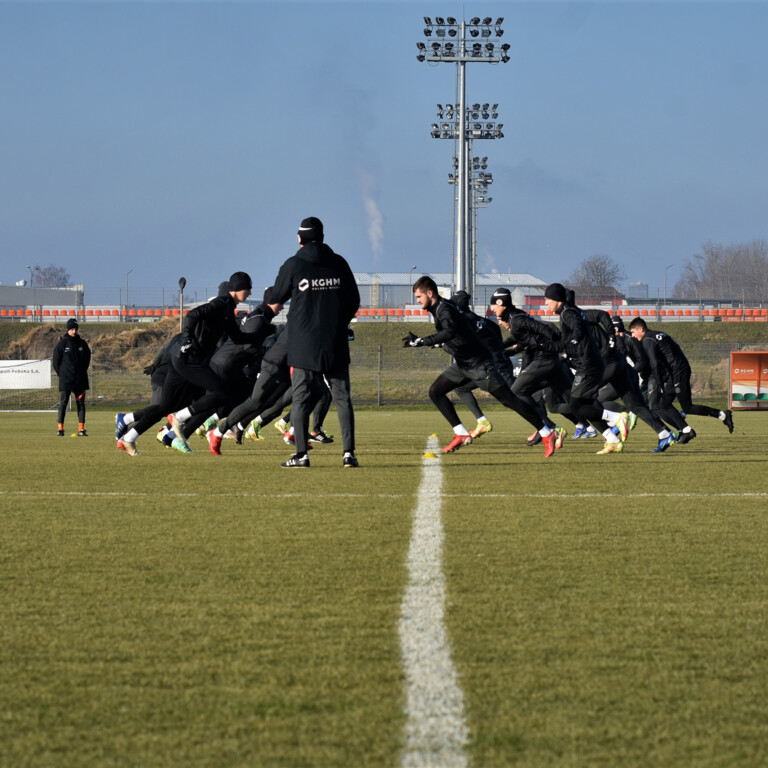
(381, 375)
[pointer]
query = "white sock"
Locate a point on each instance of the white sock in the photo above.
(481, 418)
(460, 430)
(721, 416)
(128, 418)
(258, 420)
(663, 434)
(687, 429)
(611, 417)
(610, 437)
(183, 414)
(545, 431)
(131, 436)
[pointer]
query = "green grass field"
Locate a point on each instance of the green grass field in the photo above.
(171, 610)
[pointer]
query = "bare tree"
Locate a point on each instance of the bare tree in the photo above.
(595, 278)
(736, 271)
(51, 276)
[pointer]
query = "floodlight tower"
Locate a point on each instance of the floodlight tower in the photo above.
(479, 180)
(462, 48)
(479, 123)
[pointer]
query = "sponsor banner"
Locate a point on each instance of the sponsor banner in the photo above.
(25, 374)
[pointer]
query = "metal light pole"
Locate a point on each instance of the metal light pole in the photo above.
(34, 291)
(463, 51)
(127, 302)
(182, 284)
(665, 283)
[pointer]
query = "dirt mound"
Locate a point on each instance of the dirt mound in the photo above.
(128, 350)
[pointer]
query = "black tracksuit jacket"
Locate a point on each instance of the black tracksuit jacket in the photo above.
(577, 342)
(667, 361)
(236, 356)
(324, 298)
(456, 335)
(71, 358)
(205, 325)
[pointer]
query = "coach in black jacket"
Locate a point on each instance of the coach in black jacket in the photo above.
(324, 298)
(71, 359)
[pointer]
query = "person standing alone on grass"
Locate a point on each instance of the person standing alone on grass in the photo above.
(324, 298)
(71, 359)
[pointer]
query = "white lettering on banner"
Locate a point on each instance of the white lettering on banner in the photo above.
(25, 374)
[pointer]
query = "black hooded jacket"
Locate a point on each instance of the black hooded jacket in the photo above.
(233, 355)
(324, 298)
(456, 335)
(576, 342)
(71, 358)
(525, 333)
(205, 325)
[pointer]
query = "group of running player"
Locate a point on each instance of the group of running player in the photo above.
(589, 371)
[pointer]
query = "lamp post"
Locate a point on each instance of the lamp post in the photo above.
(182, 285)
(465, 49)
(127, 302)
(665, 282)
(34, 291)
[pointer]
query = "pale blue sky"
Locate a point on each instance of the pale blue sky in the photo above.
(174, 138)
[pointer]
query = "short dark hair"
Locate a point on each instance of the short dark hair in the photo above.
(638, 322)
(424, 284)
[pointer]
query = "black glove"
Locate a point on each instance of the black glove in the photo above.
(149, 370)
(412, 340)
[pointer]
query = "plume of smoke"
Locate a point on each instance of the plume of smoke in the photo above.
(373, 214)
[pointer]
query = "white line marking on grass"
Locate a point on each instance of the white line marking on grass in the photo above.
(436, 731)
(314, 495)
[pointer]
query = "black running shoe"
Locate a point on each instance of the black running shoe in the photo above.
(318, 436)
(728, 421)
(685, 437)
(295, 461)
(350, 461)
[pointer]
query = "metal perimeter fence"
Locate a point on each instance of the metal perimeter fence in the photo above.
(380, 376)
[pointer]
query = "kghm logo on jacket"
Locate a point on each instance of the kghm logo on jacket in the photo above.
(320, 284)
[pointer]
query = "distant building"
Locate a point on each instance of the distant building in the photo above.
(637, 291)
(394, 289)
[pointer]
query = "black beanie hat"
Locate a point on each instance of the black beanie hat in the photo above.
(311, 230)
(223, 288)
(72, 323)
(502, 297)
(461, 300)
(555, 291)
(269, 295)
(240, 281)
(570, 296)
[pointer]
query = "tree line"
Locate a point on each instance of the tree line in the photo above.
(737, 271)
